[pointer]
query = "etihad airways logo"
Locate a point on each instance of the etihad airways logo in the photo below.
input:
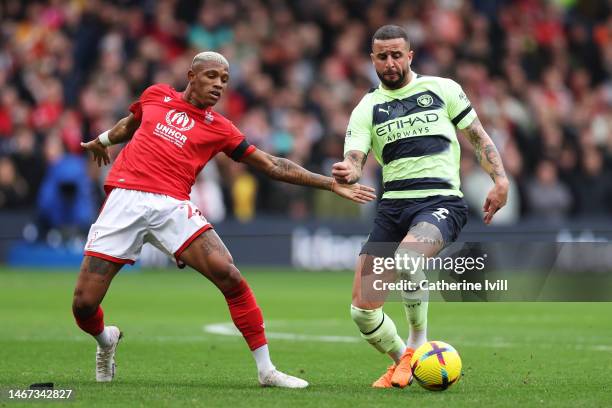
(179, 120)
(414, 125)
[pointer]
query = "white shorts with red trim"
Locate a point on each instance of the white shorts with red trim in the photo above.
(131, 218)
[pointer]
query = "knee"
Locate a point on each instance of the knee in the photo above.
(83, 306)
(357, 302)
(361, 302)
(224, 273)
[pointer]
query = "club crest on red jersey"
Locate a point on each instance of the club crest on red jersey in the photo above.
(179, 120)
(208, 117)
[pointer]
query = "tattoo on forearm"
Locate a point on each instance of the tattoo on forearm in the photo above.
(357, 158)
(492, 156)
(288, 171)
(486, 152)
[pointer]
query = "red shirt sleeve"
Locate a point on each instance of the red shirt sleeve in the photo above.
(136, 107)
(236, 145)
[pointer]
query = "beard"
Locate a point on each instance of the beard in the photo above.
(395, 84)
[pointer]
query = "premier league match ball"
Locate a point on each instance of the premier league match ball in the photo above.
(436, 365)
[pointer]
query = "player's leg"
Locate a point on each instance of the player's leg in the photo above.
(208, 255)
(114, 240)
(368, 299)
(433, 226)
(423, 240)
(375, 326)
(92, 284)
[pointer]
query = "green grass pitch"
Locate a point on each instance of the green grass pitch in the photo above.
(514, 354)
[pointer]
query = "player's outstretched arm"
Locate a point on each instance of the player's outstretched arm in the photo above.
(285, 170)
(121, 132)
(491, 162)
(349, 170)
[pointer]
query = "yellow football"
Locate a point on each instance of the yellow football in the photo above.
(436, 365)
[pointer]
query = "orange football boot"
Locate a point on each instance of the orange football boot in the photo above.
(385, 380)
(402, 376)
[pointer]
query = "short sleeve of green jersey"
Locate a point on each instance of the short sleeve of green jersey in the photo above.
(359, 131)
(458, 105)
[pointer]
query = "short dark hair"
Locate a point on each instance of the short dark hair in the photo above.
(390, 32)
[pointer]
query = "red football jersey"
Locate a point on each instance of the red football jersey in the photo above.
(174, 142)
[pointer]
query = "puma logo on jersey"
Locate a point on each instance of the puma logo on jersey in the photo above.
(383, 110)
(440, 214)
(167, 99)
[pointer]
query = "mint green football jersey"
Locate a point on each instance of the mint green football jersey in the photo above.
(411, 131)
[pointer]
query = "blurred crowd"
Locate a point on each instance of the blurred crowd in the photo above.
(537, 72)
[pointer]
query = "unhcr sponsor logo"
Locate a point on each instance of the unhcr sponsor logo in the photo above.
(170, 134)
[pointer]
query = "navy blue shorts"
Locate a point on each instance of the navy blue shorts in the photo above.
(395, 217)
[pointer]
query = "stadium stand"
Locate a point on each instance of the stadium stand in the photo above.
(69, 70)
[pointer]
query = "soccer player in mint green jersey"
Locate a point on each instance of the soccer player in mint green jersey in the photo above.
(409, 123)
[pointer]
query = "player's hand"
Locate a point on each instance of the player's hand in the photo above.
(345, 172)
(98, 150)
(496, 199)
(354, 192)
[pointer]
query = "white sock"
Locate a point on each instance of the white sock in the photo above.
(104, 339)
(262, 359)
(415, 302)
(416, 338)
(397, 355)
(416, 312)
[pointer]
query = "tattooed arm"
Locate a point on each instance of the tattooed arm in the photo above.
(490, 161)
(285, 170)
(349, 170)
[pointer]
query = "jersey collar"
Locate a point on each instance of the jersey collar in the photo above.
(394, 92)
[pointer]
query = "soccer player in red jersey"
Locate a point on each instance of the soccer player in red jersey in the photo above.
(172, 135)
